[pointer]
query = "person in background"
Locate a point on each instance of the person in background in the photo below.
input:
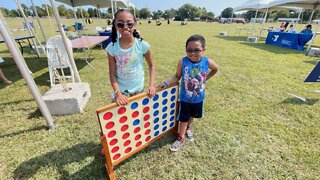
(285, 26)
(307, 30)
(4, 78)
(291, 29)
(282, 27)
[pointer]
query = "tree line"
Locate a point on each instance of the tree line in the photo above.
(227, 13)
(187, 11)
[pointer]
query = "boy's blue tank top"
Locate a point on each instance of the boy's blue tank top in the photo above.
(192, 87)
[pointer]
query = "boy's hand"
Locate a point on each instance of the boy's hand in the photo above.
(151, 91)
(121, 99)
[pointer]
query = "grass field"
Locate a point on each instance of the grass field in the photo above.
(252, 128)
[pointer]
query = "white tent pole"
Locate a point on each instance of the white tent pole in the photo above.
(311, 16)
(264, 21)
(298, 18)
(23, 68)
(115, 5)
(48, 13)
(254, 22)
(313, 36)
(134, 12)
(112, 9)
(30, 30)
(84, 22)
(75, 13)
(230, 23)
(64, 38)
(36, 13)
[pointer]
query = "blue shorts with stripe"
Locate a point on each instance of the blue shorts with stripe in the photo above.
(187, 110)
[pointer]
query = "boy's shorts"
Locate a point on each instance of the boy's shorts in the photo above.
(188, 110)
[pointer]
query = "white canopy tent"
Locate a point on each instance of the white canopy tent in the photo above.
(114, 4)
(253, 5)
(307, 4)
(266, 6)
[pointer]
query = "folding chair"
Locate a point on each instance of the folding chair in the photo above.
(58, 58)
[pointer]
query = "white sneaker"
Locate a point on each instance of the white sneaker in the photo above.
(177, 144)
(189, 135)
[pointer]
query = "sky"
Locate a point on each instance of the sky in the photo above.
(215, 6)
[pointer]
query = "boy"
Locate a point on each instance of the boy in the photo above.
(193, 69)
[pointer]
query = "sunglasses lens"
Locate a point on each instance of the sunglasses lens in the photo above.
(197, 51)
(120, 25)
(193, 51)
(130, 25)
(189, 50)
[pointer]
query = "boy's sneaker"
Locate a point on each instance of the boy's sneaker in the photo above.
(189, 135)
(177, 144)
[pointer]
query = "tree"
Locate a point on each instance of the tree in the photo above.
(14, 13)
(157, 14)
(49, 9)
(62, 10)
(207, 16)
(144, 13)
(227, 13)
(92, 12)
(252, 14)
(5, 11)
(169, 14)
(187, 11)
(282, 14)
(41, 12)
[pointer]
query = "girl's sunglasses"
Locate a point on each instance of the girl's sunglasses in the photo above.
(122, 24)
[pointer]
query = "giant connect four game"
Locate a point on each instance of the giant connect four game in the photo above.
(125, 130)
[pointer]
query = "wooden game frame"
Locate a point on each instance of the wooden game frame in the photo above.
(110, 164)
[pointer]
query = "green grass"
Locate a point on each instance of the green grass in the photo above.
(252, 129)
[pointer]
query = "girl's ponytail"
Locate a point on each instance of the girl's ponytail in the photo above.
(136, 34)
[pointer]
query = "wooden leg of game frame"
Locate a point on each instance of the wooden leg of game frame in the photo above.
(110, 172)
(108, 164)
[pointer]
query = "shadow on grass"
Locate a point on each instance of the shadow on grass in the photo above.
(313, 62)
(61, 160)
(272, 48)
(35, 64)
(15, 102)
(297, 101)
(36, 114)
(261, 45)
(23, 131)
(233, 38)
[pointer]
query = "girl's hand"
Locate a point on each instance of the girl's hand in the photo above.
(151, 91)
(121, 99)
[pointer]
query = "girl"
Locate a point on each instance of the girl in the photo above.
(126, 56)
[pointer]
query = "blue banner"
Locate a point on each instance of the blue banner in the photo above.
(288, 40)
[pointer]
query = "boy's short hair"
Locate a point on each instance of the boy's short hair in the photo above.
(197, 37)
(309, 26)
